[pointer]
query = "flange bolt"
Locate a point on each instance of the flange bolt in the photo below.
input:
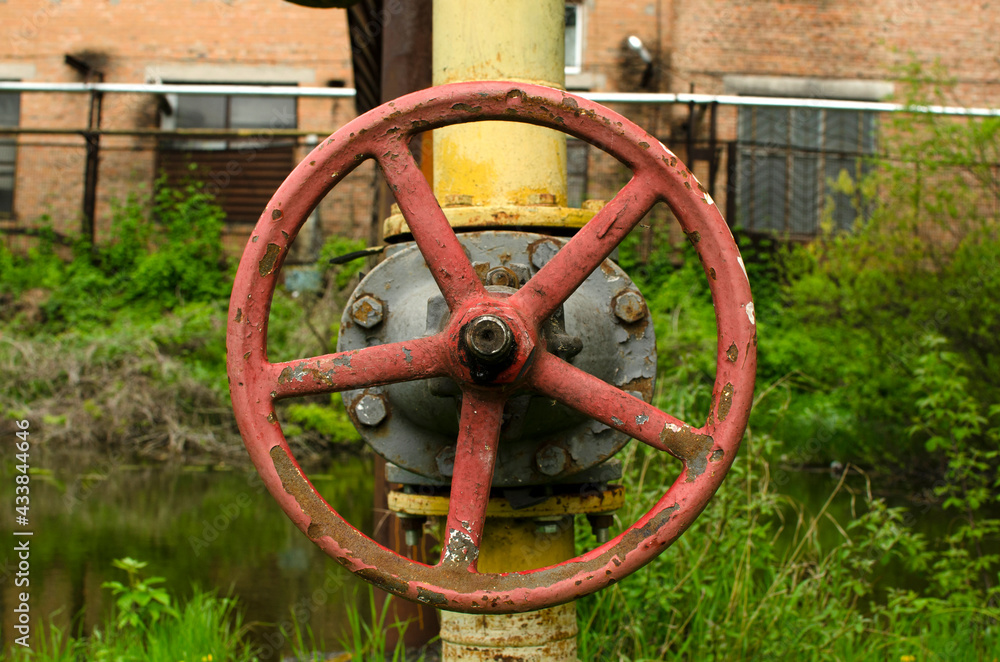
(367, 311)
(370, 410)
(629, 306)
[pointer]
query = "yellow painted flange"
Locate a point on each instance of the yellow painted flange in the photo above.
(504, 217)
(605, 501)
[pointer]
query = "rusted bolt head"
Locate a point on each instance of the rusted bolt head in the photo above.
(551, 460)
(446, 460)
(488, 338)
(503, 277)
(370, 410)
(629, 306)
(546, 199)
(542, 252)
(367, 311)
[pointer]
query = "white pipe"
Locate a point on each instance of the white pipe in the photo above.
(170, 88)
(600, 97)
(784, 102)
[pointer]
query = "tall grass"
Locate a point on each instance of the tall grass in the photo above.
(758, 578)
(206, 628)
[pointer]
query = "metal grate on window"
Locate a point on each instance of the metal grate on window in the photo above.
(10, 114)
(787, 161)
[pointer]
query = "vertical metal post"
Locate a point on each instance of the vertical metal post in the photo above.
(92, 137)
(406, 67)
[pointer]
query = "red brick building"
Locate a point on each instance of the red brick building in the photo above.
(769, 166)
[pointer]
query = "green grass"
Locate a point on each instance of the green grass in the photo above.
(207, 628)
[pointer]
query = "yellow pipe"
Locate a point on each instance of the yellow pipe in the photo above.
(502, 164)
(499, 163)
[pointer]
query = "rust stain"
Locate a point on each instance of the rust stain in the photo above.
(688, 445)
(725, 402)
(431, 597)
(276, 214)
(239, 314)
(266, 265)
(732, 353)
(711, 272)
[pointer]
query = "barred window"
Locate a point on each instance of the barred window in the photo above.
(10, 113)
(787, 159)
(242, 172)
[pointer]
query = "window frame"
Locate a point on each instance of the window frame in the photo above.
(8, 213)
(168, 121)
(577, 68)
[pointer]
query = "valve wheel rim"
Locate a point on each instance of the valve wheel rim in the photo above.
(383, 134)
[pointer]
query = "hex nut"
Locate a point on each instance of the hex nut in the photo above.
(548, 525)
(367, 311)
(503, 277)
(370, 410)
(629, 306)
(600, 524)
(551, 460)
(542, 199)
(446, 460)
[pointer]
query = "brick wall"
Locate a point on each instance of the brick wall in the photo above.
(253, 40)
(693, 43)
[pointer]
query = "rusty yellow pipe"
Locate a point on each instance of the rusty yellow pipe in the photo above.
(499, 163)
(502, 164)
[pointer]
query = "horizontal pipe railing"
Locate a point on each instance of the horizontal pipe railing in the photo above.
(600, 97)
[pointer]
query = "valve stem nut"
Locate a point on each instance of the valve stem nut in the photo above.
(488, 338)
(367, 311)
(600, 524)
(629, 306)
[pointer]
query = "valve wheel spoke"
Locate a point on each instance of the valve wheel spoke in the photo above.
(475, 459)
(434, 236)
(566, 271)
(371, 366)
(553, 377)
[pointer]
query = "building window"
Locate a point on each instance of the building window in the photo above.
(10, 114)
(786, 161)
(242, 172)
(574, 38)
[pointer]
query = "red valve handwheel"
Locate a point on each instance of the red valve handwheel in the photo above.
(383, 134)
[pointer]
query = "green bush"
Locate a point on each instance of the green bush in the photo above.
(166, 251)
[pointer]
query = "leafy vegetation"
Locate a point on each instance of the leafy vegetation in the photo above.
(148, 310)
(205, 629)
(877, 348)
